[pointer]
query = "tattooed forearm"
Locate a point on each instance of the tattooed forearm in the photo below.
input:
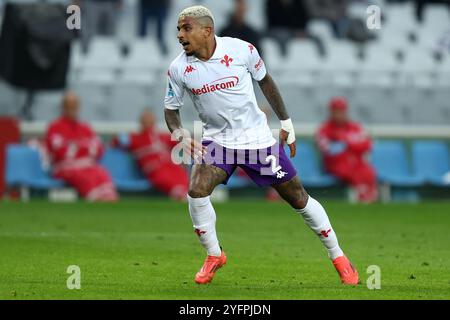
(173, 119)
(272, 94)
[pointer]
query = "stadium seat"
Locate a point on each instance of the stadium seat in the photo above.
(103, 53)
(376, 106)
(47, 104)
(341, 66)
(418, 69)
(320, 28)
(128, 99)
(24, 169)
(436, 17)
(303, 55)
(434, 113)
(144, 55)
(378, 66)
(378, 58)
(443, 76)
(9, 99)
(431, 160)
(308, 167)
(76, 56)
(391, 164)
(256, 16)
(271, 54)
(341, 56)
(102, 76)
(124, 171)
(302, 102)
(400, 16)
(428, 39)
(95, 99)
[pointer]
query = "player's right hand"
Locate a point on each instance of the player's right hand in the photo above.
(287, 135)
(194, 148)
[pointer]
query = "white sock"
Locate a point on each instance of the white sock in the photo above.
(204, 220)
(316, 218)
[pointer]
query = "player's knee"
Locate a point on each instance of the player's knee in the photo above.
(300, 201)
(198, 192)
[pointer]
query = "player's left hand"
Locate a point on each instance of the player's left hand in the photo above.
(287, 134)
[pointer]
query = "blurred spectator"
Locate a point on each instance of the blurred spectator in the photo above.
(99, 18)
(288, 19)
(238, 28)
(152, 150)
(74, 151)
(156, 10)
(344, 144)
(334, 11)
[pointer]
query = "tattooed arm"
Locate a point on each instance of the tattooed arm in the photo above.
(273, 96)
(173, 121)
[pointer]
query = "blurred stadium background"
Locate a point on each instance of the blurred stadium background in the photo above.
(396, 79)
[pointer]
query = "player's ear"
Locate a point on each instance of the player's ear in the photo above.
(208, 31)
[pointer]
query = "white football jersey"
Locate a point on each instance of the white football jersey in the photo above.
(222, 92)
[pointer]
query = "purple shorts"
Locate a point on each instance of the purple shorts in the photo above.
(266, 166)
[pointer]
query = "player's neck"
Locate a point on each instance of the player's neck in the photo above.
(339, 123)
(207, 52)
(69, 118)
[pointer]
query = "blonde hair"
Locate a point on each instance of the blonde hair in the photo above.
(196, 12)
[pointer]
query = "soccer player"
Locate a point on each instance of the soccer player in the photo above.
(74, 150)
(152, 149)
(344, 144)
(217, 73)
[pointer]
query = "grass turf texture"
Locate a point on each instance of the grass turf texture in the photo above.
(147, 250)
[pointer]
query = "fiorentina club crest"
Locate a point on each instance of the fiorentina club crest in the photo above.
(226, 60)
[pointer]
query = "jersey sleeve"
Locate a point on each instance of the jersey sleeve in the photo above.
(255, 63)
(322, 140)
(174, 90)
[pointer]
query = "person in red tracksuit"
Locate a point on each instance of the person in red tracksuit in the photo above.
(152, 151)
(344, 145)
(74, 150)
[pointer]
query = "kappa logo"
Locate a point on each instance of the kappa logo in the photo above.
(226, 60)
(217, 85)
(189, 69)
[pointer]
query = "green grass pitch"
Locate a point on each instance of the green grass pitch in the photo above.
(139, 249)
